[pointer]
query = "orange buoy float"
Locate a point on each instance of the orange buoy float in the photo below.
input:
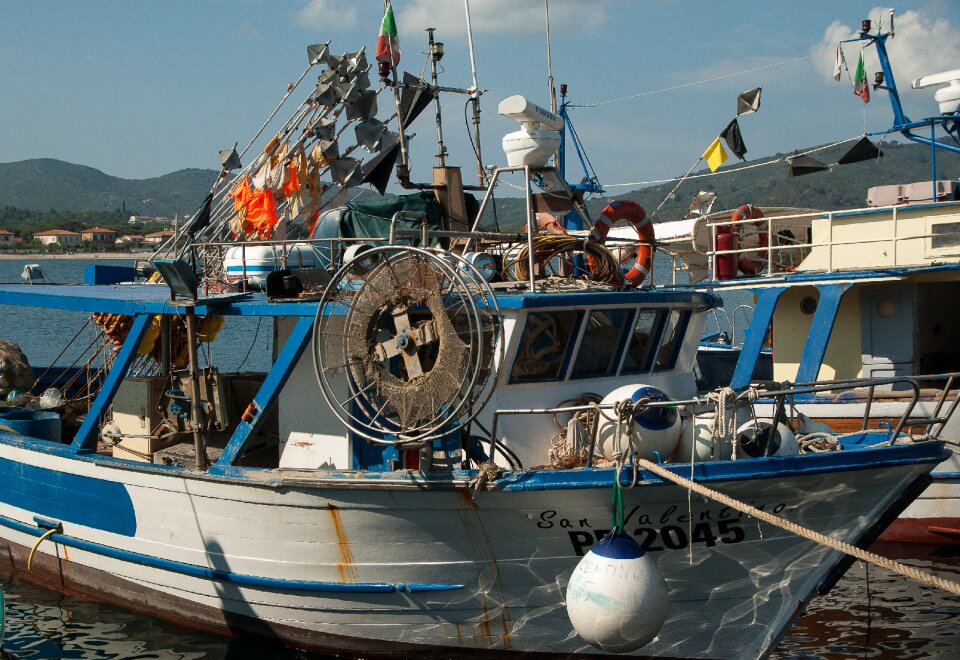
(634, 214)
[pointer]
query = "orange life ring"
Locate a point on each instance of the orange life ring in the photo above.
(634, 214)
(745, 264)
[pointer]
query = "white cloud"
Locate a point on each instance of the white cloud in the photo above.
(514, 17)
(922, 44)
(328, 14)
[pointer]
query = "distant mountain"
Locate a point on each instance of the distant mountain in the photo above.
(43, 184)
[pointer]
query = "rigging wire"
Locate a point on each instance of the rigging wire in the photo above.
(736, 169)
(690, 84)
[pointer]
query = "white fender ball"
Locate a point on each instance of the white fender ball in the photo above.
(755, 439)
(697, 436)
(653, 429)
(617, 597)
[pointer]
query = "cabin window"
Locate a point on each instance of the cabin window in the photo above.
(945, 235)
(601, 343)
(672, 340)
(544, 349)
(640, 348)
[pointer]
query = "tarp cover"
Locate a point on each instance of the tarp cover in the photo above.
(371, 219)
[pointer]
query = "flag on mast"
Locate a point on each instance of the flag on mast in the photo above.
(860, 86)
(715, 155)
(388, 45)
(840, 64)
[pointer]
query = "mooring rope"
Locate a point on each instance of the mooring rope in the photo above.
(911, 572)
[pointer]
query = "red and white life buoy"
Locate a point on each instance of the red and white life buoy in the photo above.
(634, 214)
(746, 264)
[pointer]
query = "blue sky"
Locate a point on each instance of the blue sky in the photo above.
(138, 89)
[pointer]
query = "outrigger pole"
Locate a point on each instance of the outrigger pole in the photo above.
(901, 123)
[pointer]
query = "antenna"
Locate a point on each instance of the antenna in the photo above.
(474, 94)
(553, 92)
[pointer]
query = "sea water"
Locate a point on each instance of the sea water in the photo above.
(870, 613)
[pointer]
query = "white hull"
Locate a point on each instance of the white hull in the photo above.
(939, 505)
(491, 569)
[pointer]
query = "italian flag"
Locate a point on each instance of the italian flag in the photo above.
(388, 45)
(860, 86)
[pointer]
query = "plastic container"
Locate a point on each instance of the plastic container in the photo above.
(41, 424)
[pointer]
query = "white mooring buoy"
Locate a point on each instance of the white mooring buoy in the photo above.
(617, 597)
(651, 432)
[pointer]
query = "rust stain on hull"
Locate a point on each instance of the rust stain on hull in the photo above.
(345, 567)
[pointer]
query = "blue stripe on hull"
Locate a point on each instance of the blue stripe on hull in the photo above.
(205, 573)
(87, 501)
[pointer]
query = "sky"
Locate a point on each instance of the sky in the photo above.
(141, 88)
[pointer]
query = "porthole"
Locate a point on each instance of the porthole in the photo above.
(886, 308)
(808, 305)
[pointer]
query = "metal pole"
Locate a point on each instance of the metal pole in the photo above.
(552, 91)
(530, 259)
(199, 447)
(474, 94)
(441, 150)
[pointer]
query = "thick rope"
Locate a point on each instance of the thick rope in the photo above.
(911, 572)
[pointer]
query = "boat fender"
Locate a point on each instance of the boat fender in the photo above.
(652, 431)
(697, 439)
(745, 264)
(755, 440)
(617, 597)
(634, 214)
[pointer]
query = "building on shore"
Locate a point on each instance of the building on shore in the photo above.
(130, 241)
(98, 235)
(157, 237)
(57, 237)
(7, 238)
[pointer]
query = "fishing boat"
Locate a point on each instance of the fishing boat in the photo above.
(852, 293)
(427, 466)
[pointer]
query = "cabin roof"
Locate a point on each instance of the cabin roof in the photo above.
(146, 298)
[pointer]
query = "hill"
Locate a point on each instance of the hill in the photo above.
(42, 185)
(46, 184)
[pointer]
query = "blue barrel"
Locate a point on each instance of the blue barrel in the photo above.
(42, 424)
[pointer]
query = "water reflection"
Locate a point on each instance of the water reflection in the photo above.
(44, 625)
(873, 613)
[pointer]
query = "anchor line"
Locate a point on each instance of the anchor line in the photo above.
(911, 572)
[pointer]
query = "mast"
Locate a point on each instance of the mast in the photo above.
(435, 51)
(474, 95)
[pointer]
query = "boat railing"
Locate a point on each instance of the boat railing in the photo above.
(212, 254)
(784, 398)
(823, 250)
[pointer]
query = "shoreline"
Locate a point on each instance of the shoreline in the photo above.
(74, 256)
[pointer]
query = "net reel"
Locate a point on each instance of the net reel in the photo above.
(405, 342)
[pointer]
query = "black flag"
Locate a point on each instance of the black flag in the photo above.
(734, 140)
(802, 164)
(862, 150)
(202, 217)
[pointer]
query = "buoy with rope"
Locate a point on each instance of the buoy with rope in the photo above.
(617, 596)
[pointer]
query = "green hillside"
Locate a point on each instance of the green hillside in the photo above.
(45, 184)
(43, 193)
